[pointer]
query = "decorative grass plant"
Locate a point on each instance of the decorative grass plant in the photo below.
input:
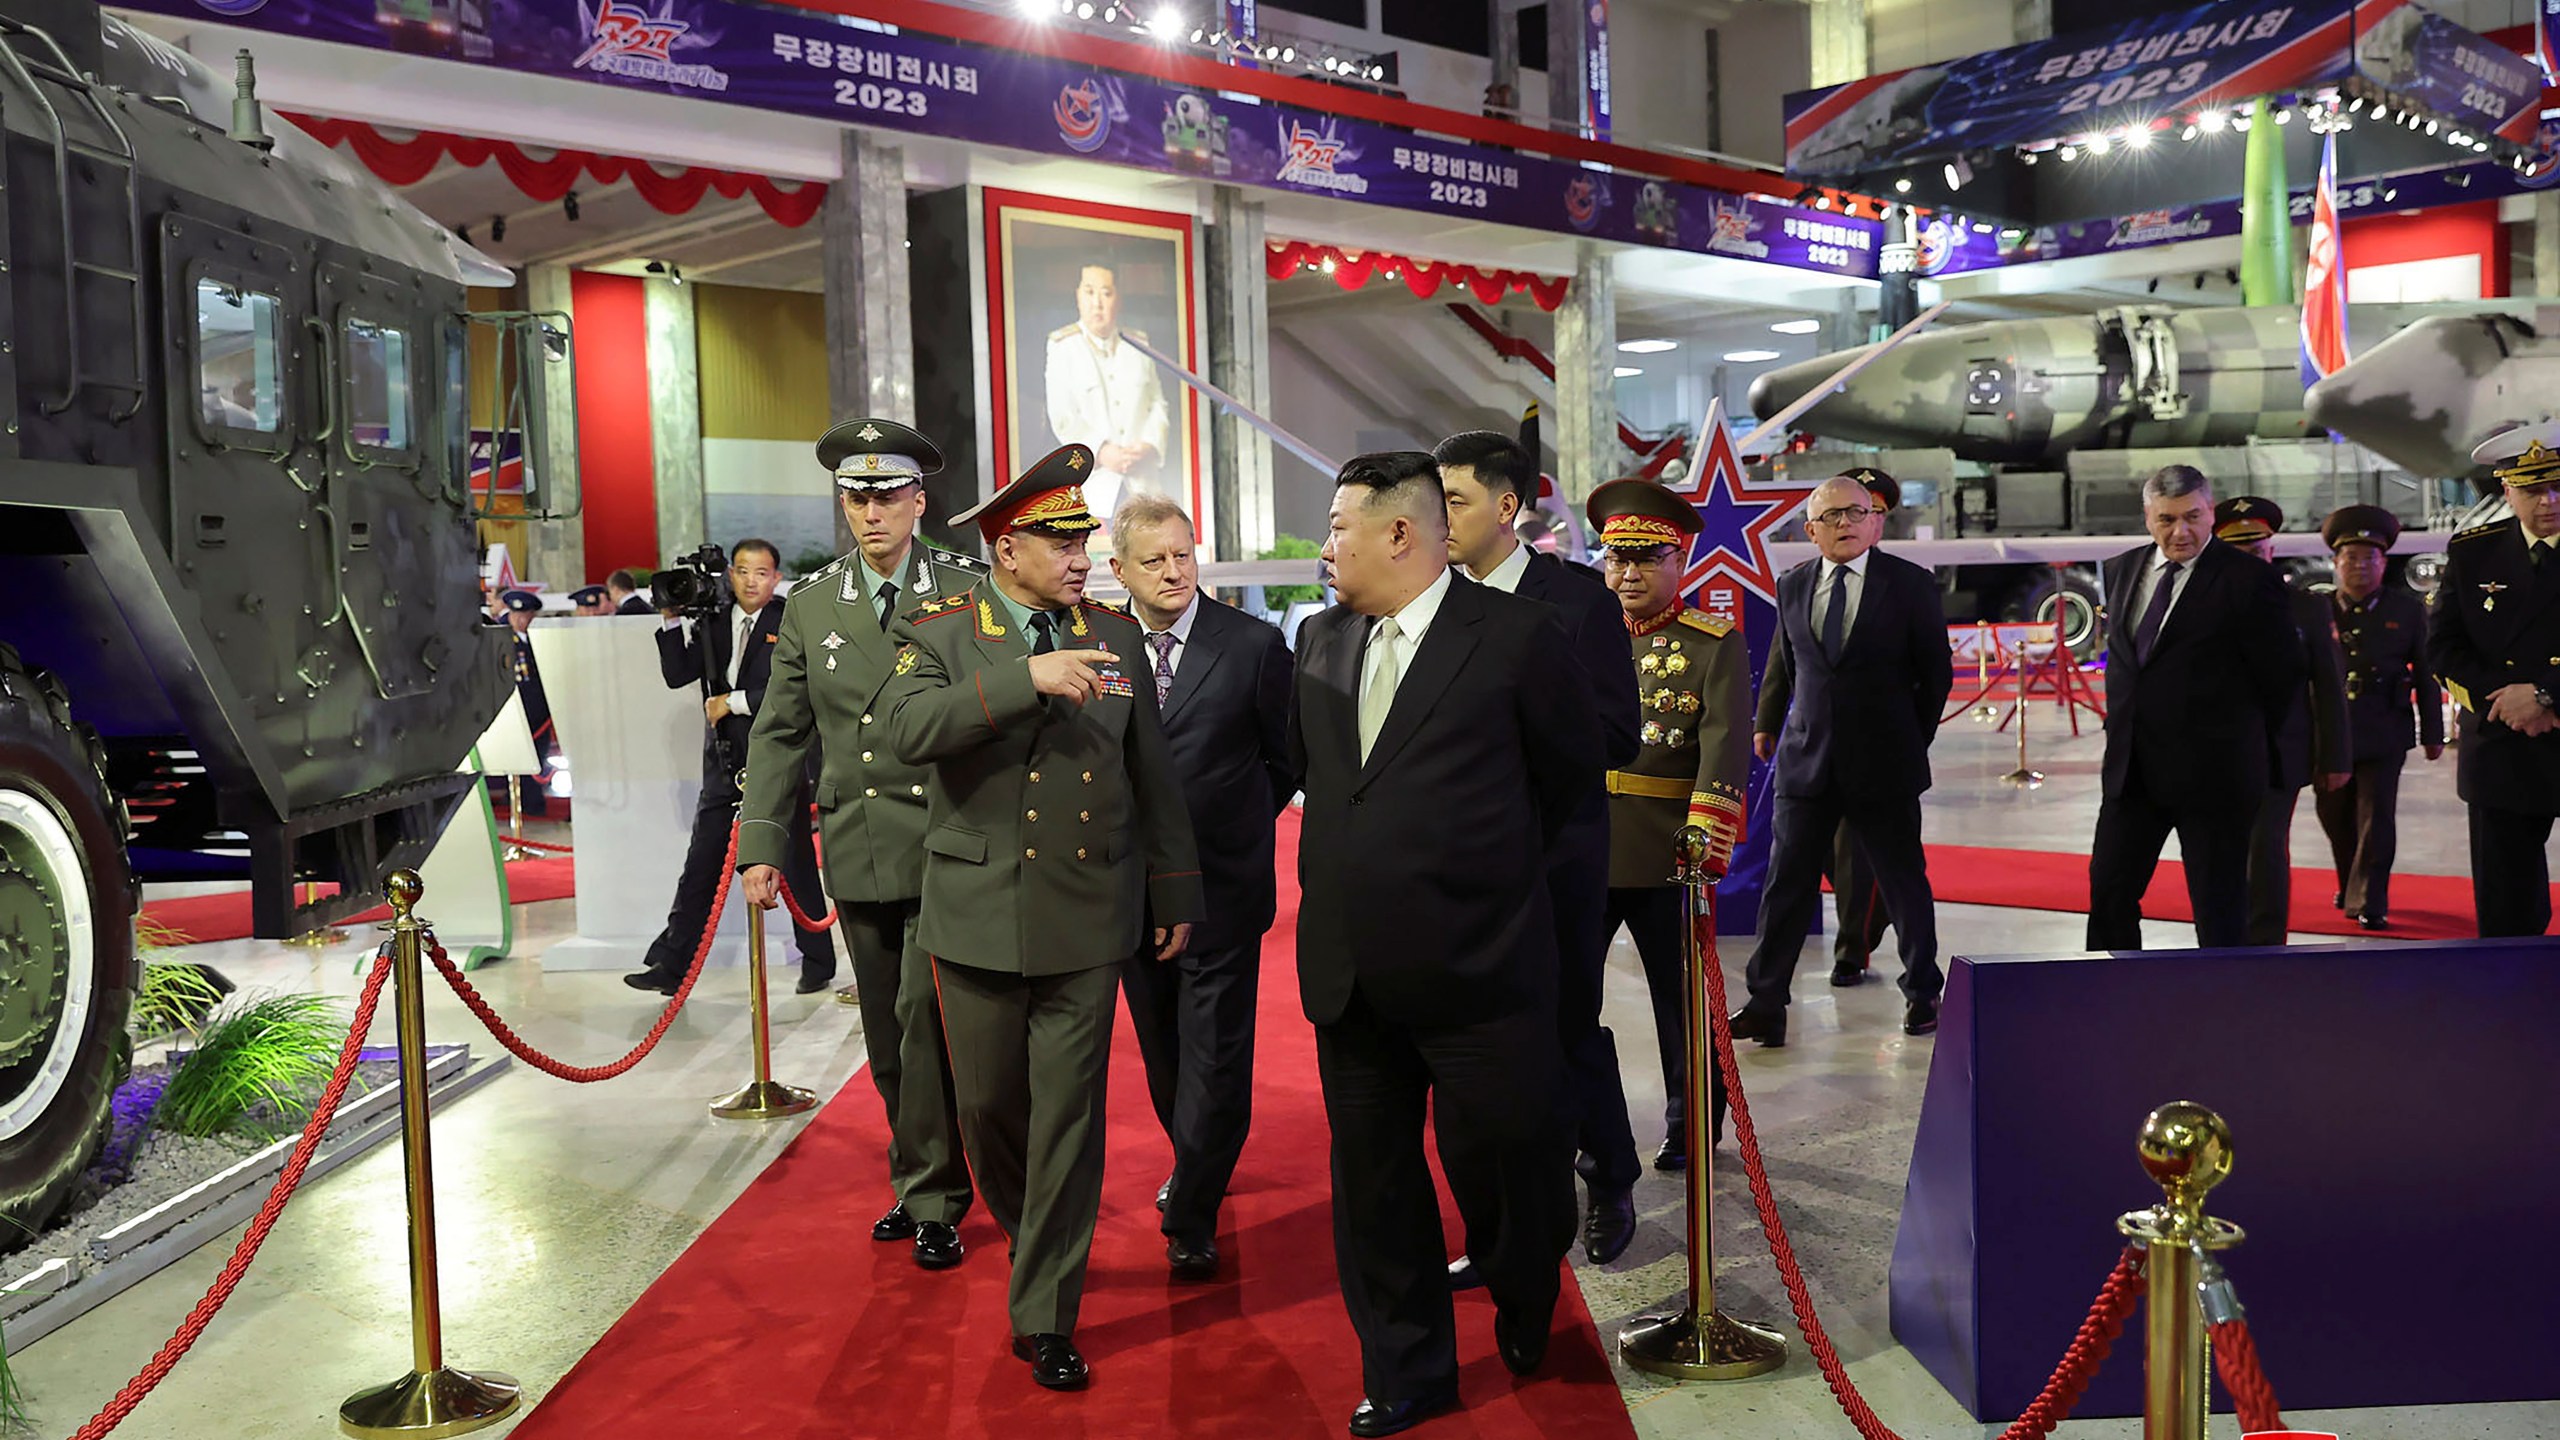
(174, 997)
(14, 1419)
(254, 1067)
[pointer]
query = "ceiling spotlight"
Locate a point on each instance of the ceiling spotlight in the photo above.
(1288, 54)
(1110, 13)
(2389, 194)
(1647, 347)
(656, 267)
(2240, 122)
(1822, 202)
(1084, 10)
(1796, 327)
(2199, 279)
(1168, 23)
(1198, 34)
(1377, 72)
(2098, 144)
(2356, 105)
(1627, 371)
(1331, 64)
(569, 205)
(2210, 121)
(2432, 127)
(1749, 357)
(2284, 117)
(1959, 172)
(2070, 153)
(1902, 186)
(2151, 286)
(2137, 137)
(2231, 276)
(1981, 229)
(2189, 133)
(2029, 157)
(497, 229)
(1328, 265)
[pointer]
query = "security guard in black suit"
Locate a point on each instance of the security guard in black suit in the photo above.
(2494, 635)
(2383, 633)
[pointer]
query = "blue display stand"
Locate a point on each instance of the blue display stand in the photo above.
(2394, 1111)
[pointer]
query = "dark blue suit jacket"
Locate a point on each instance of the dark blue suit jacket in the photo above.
(1227, 721)
(1862, 726)
(2198, 726)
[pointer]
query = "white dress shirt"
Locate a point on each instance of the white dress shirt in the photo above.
(1856, 573)
(1505, 577)
(1411, 622)
(1181, 631)
(740, 628)
(2150, 581)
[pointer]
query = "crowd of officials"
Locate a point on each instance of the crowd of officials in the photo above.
(1031, 805)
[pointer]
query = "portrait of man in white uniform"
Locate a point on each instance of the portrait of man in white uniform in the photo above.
(1104, 393)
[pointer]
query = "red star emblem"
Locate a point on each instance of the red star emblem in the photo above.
(1731, 555)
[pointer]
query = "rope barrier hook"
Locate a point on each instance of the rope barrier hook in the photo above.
(433, 1399)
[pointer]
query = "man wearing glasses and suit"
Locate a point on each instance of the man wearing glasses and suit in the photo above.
(1863, 637)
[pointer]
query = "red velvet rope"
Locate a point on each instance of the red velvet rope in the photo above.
(406, 162)
(141, 1385)
(1352, 269)
(2089, 1346)
(2236, 1356)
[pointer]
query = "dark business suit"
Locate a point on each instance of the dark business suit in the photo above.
(634, 605)
(2311, 742)
(2494, 623)
(696, 656)
(1863, 917)
(1226, 719)
(1427, 961)
(2191, 730)
(1853, 747)
(1578, 880)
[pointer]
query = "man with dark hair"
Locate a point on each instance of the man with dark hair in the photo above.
(1486, 479)
(2202, 659)
(2383, 633)
(622, 587)
(730, 655)
(1446, 739)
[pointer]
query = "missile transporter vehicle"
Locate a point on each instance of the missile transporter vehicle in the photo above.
(241, 631)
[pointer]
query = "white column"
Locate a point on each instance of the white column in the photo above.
(871, 350)
(675, 415)
(1240, 364)
(1587, 450)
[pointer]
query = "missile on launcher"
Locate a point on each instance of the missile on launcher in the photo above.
(2422, 398)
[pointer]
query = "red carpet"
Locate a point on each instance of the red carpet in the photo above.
(196, 919)
(784, 1319)
(2423, 907)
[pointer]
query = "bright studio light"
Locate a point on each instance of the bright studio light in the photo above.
(1647, 347)
(1797, 327)
(2137, 137)
(1627, 372)
(1749, 357)
(2211, 121)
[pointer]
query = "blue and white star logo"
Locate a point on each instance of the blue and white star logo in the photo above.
(1738, 515)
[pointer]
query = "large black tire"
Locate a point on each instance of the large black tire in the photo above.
(67, 971)
(2074, 592)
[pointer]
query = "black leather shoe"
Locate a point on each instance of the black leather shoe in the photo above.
(1164, 1194)
(1463, 1275)
(1920, 1017)
(1394, 1417)
(937, 1245)
(812, 984)
(896, 1225)
(1769, 1027)
(1522, 1341)
(1674, 1154)
(1055, 1365)
(2372, 922)
(1845, 976)
(1609, 1225)
(658, 980)
(2337, 899)
(1189, 1261)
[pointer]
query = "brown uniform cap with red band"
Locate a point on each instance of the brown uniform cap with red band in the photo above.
(1636, 514)
(1049, 496)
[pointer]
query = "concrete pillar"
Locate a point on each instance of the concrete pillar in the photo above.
(1840, 41)
(871, 344)
(2546, 246)
(2031, 20)
(1568, 52)
(1240, 364)
(556, 550)
(1586, 414)
(1504, 24)
(675, 416)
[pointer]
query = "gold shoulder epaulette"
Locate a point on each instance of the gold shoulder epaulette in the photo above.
(947, 605)
(1716, 625)
(1062, 332)
(2491, 528)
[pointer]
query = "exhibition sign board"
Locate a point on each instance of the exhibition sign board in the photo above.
(816, 64)
(2153, 66)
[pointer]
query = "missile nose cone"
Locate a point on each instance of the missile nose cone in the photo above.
(2424, 396)
(1911, 395)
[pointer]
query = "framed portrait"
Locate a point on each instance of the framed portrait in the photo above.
(1069, 286)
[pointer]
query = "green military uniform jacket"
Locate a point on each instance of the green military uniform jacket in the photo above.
(1693, 694)
(1055, 833)
(831, 661)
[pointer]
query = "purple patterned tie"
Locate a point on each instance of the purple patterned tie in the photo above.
(1163, 640)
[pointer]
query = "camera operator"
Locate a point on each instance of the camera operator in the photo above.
(721, 638)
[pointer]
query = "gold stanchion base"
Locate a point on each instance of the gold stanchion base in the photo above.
(317, 939)
(423, 1407)
(1985, 714)
(1679, 1347)
(848, 996)
(2024, 779)
(518, 852)
(765, 1100)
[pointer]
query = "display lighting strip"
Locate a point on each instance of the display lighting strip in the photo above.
(1173, 24)
(2326, 112)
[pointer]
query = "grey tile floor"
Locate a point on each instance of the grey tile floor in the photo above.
(560, 1203)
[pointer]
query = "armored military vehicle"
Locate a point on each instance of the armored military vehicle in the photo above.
(240, 623)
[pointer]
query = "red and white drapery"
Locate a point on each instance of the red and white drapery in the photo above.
(1352, 269)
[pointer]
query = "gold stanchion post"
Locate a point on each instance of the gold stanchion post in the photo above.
(433, 1399)
(2187, 1148)
(319, 936)
(1700, 1342)
(1984, 712)
(515, 820)
(2024, 777)
(762, 1099)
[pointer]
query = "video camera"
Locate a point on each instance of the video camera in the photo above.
(698, 585)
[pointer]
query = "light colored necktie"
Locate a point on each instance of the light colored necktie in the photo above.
(1379, 695)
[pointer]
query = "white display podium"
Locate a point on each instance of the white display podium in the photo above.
(634, 749)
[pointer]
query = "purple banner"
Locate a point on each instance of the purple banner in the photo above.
(812, 64)
(2155, 67)
(1595, 67)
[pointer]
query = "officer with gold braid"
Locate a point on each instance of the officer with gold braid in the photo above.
(1693, 691)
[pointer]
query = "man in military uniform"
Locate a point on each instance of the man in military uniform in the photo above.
(1056, 840)
(1105, 396)
(2312, 743)
(2494, 636)
(534, 791)
(832, 659)
(591, 600)
(2384, 636)
(1693, 689)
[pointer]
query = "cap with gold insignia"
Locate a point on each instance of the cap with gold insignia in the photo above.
(875, 455)
(1636, 514)
(1049, 496)
(2360, 525)
(2244, 518)
(1886, 489)
(521, 600)
(2526, 456)
(587, 595)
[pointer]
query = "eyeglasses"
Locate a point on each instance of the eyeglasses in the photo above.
(1845, 516)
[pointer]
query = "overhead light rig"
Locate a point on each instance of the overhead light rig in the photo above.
(1176, 24)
